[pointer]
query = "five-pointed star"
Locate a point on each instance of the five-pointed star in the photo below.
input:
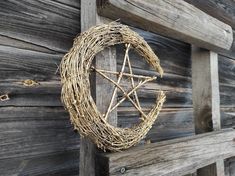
(126, 95)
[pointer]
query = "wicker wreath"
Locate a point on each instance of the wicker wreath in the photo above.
(75, 68)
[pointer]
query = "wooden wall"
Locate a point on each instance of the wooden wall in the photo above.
(35, 132)
(36, 137)
(224, 10)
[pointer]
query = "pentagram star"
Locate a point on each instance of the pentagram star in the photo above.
(126, 94)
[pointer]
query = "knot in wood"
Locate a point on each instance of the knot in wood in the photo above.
(30, 83)
(4, 97)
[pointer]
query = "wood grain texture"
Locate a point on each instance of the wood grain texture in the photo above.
(36, 136)
(205, 82)
(30, 131)
(88, 149)
(39, 66)
(206, 100)
(172, 157)
(230, 167)
(227, 87)
(178, 20)
(46, 24)
(37, 139)
(59, 163)
(223, 10)
(101, 90)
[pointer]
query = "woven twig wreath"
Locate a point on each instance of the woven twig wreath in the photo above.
(75, 70)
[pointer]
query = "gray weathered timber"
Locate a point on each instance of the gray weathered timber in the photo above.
(41, 67)
(205, 89)
(39, 139)
(40, 25)
(35, 131)
(102, 89)
(206, 100)
(229, 53)
(87, 148)
(227, 82)
(230, 167)
(58, 163)
(176, 19)
(227, 98)
(223, 10)
(171, 158)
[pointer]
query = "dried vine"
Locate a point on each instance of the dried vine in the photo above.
(75, 69)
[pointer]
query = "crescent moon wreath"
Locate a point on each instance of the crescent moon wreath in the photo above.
(75, 68)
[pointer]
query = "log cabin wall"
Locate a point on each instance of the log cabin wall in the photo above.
(36, 135)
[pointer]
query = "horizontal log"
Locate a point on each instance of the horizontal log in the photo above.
(173, 157)
(178, 20)
(223, 10)
(229, 53)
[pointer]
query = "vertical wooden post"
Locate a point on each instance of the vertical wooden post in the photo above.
(206, 100)
(101, 89)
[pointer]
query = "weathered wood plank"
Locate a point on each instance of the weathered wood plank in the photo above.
(178, 20)
(19, 64)
(40, 87)
(227, 83)
(102, 89)
(223, 10)
(36, 65)
(52, 125)
(30, 131)
(204, 83)
(227, 99)
(230, 167)
(226, 70)
(174, 55)
(21, 95)
(172, 122)
(34, 35)
(46, 24)
(230, 53)
(32, 100)
(172, 157)
(206, 100)
(228, 116)
(62, 163)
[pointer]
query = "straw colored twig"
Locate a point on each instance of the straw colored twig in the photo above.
(126, 95)
(123, 74)
(118, 81)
